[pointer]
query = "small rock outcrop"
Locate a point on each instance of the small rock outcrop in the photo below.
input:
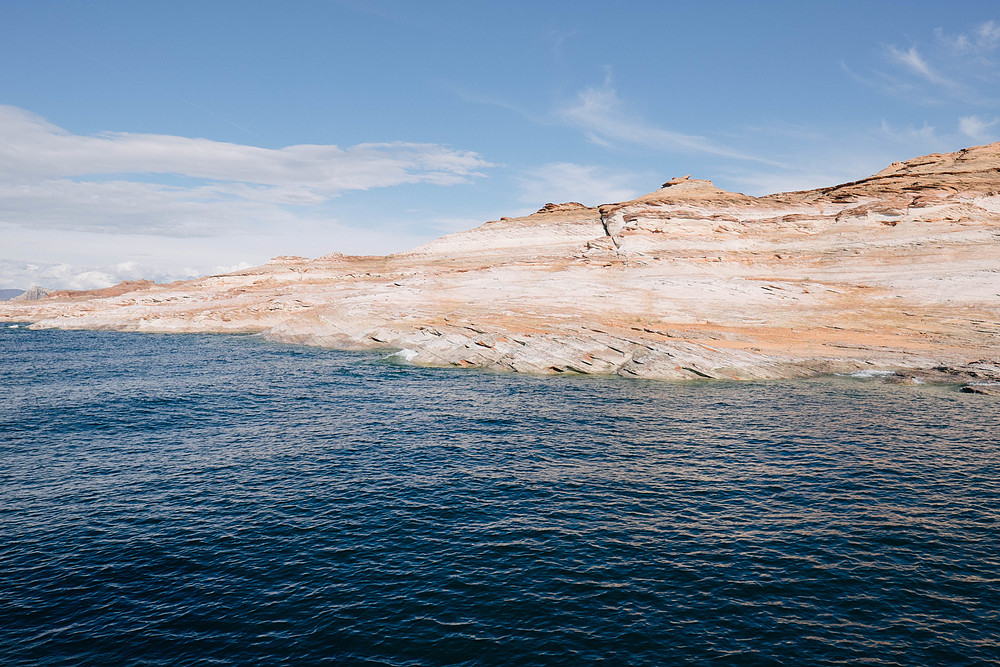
(985, 389)
(676, 180)
(561, 208)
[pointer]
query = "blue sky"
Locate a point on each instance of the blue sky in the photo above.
(172, 139)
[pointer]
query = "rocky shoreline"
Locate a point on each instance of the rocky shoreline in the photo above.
(897, 274)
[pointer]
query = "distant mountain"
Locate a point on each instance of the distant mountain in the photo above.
(10, 293)
(33, 293)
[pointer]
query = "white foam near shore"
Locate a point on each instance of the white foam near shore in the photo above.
(406, 354)
(872, 373)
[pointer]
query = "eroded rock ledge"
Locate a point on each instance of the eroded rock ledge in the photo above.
(898, 272)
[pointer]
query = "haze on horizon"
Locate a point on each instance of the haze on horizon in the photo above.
(169, 140)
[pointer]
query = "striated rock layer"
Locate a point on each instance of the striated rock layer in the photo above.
(896, 272)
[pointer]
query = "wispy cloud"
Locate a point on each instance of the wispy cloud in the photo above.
(559, 182)
(913, 61)
(829, 164)
(924, 135)
(977, 128)
(119, 206)
(949, 67)
(121, 181)
(838, 157)
(602, 116)
(493, 101)
(891, 85)
(557, 40)
(758, 182)
(30, 147)
(980, 42)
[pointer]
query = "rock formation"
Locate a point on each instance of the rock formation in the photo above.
(33, 293)
(896, 272)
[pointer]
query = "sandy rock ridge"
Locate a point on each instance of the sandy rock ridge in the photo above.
(898, 272)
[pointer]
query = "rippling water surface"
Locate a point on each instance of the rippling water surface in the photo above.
(182, 500)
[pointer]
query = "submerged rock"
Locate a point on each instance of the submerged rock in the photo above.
(983, 389)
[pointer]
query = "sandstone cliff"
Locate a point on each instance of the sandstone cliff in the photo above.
(897, 272)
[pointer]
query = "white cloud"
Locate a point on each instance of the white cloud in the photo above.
(980, 42)
(883, 82)
(977, 128)
(924, 136)
(944, 70)
(73, 259)
(912, 60)
(77, 258)
(559, 182)
(988, 33)
(32, 148)
(117, 181)
(139, 208)
(59, 275)
(601, 115)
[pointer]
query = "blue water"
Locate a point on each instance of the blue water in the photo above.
(221, 500)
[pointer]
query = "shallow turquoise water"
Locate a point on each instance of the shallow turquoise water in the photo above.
(189, 500)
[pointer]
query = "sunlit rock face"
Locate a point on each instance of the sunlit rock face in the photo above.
(899, 271)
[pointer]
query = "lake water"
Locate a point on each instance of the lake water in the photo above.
(222, 500)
